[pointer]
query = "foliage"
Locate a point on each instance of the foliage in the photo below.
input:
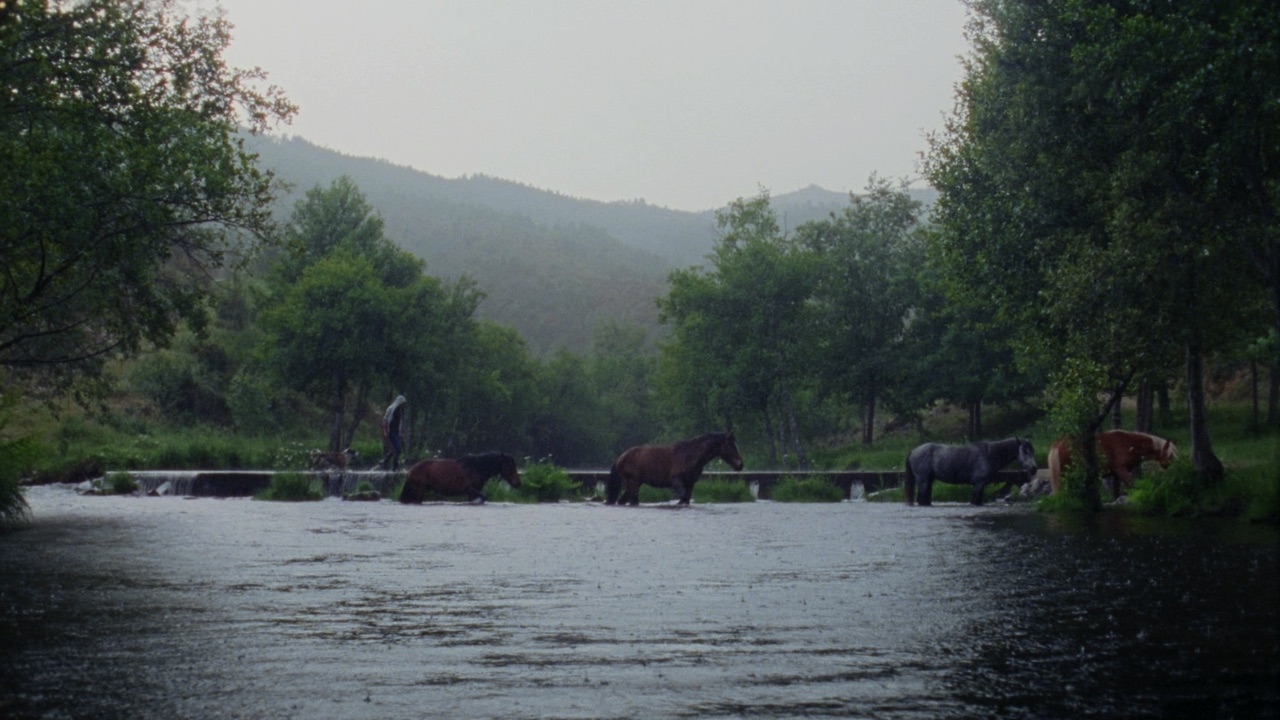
(291, 487)
(1098, 155)
(866, 290)
(121, 483)
(811, 489)
(740, 327)
(545, 482)
(123, 180)
(16, 456)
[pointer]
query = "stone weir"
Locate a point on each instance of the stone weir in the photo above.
(244, 483)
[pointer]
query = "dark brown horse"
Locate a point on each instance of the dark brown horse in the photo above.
(464, 476)
(677, 466)
(1123, 453)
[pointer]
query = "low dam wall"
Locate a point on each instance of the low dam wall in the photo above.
(244, 483)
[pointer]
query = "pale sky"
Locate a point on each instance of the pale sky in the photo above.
(687, 104)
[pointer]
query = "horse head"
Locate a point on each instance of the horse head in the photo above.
(1168, 453)
(1027, 458)
(509, 471)
(728, 451)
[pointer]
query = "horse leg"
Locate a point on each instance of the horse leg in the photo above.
(678, 490)
(975, 498)
(631, 496)
(924, 496)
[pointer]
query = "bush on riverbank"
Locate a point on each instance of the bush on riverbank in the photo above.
(812, 489)
(292, 487)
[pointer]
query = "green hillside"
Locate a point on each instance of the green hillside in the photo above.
(546, 270)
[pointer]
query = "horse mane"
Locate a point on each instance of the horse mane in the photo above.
(1160, 444)
(487, 464)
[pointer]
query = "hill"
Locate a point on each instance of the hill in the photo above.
(550, 275)
(552, 266)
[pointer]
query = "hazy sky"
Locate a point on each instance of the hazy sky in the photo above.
(687, 104)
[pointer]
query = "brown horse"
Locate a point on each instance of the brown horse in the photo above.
(1123, 453)
(677, 466)
(463, 476)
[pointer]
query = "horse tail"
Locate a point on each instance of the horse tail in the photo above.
(909, 482)
(1054, 462)
(612, 486)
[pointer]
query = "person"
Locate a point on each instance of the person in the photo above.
(392, 419)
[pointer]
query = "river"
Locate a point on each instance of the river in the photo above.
(164, 607)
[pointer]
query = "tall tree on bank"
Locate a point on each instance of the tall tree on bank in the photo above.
(868, 258)
(1090, 193)
(741, 324)
(123, 181)
(352, 314)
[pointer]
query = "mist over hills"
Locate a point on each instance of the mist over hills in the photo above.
(552, 266)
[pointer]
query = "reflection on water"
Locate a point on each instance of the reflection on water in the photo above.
(171, 608)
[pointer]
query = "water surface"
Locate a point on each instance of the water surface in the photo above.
(137, 607)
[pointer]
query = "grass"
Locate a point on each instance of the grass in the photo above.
(121, 483)
(811, 489)
(291, 487)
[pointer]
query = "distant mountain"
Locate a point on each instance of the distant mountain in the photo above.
(552, 266)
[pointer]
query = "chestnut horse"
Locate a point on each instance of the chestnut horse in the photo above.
(975, 464)
(677, 466)
(464, 476)
(1123, 453)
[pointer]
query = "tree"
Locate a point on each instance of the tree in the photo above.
(1092, 197)
(742, 324)
(124, 184)
(869, 257)
(327, 335)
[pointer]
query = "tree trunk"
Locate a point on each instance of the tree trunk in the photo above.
(768, 432)
(801, 458)
(357, 414)
(1203, 460)
(869, 421)
(1144, 414)
(974, 426)
(339, 397)
(1117, 414)
(1253, 390)
(1273, 397)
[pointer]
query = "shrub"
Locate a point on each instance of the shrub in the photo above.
(121, 483)
(292, 486)
(545, 482)
(813, 489)
(15, 456)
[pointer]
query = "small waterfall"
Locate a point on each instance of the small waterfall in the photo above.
(244, 483)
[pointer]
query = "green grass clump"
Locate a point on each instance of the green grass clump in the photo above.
(722, 490)
(291, 487)
(545, 482)
(121, 483)
(814, 489)
(14, 456)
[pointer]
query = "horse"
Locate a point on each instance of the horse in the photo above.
(321, 460)
(464, 475)
(975, 464)
(677, 466)
(1123, 453)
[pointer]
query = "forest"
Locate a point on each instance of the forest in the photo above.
(1104, 236)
